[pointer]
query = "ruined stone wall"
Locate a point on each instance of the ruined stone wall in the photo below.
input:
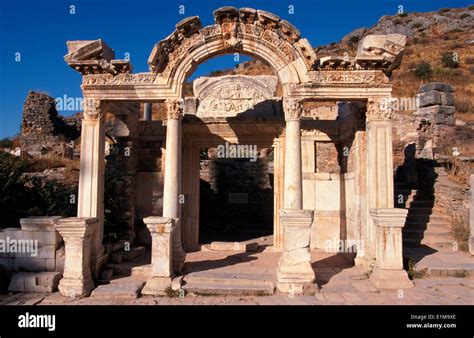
(43, 131)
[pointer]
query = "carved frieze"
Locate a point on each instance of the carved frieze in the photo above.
(120, 79)
(380, 108)
(227, 96)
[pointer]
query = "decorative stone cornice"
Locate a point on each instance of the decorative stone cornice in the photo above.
(292, 108)
(174, 108)
(94, 109)
(379, 109)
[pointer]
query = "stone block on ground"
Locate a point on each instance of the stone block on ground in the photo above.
(35, 282)
(234, 246)
(129, 290)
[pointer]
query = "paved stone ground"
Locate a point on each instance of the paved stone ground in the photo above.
(339, 283)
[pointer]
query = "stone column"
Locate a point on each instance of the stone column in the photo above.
(471, 217)
(147, 111)
(91, 176)
(294, 267)
(172, 184)
(379, 164)
(388, 272)
(77, 232)
(161, 230)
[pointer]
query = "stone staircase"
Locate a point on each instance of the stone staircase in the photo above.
(426, 225)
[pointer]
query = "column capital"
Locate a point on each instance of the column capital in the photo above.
(94, 109)
(293, 109)
(380, 108)
(174, 108)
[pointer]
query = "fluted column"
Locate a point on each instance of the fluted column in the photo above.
(379, 165)
(91, 176)
(294, 271)
(293, 182)
(172, 184)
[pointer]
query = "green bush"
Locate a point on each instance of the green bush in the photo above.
(416, 25)
(402, 15)
(424, 71)
(444, 10)
(464, 15)
(448, 60)
(22, 196)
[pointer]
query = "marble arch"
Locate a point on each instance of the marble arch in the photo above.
(108, 85)
(246, 30)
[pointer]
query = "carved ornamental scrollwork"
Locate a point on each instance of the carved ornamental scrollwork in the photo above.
(94, 109)
(292, 108)
(174, 108)
(348, 77)
(379, 109)
(233, 27)
(121, 79)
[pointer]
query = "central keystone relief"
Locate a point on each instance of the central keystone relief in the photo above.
(237, 95)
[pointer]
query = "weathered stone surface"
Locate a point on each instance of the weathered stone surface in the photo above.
(231, 95)
(471, 216)
(234, 246)
(430, 98)
(128, 290)
(35, 282)
(134, 252)
(442, 87)
(77, 232)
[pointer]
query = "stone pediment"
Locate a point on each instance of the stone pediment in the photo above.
(231, 95)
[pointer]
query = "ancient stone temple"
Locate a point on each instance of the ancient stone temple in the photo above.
(329, 133)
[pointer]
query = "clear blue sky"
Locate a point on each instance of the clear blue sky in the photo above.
(38, 30)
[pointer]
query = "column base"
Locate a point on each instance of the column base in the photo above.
(157, 286)
(390, 279)
(295, 278)
(76, 288)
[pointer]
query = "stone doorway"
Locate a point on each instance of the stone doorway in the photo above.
(236, 195)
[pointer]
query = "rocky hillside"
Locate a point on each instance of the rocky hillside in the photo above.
(440, 48)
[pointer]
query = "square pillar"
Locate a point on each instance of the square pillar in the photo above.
(294, 271)
(91, 176)
(379, 164)
(77, 232)
(161, 230)
(172, 181)
(294, 267)
(388, 272)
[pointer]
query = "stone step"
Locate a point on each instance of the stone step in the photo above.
(424, 211)
(119, 288)
(229, 278)
(234, 246)
(141, 271)
(429, 236)
(228, 289)
(427, 225)
(427, 218)
(414, 232)
(415, 242)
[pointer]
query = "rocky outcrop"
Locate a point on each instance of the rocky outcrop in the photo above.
(43, 131)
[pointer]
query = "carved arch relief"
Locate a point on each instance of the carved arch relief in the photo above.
(248, 31)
